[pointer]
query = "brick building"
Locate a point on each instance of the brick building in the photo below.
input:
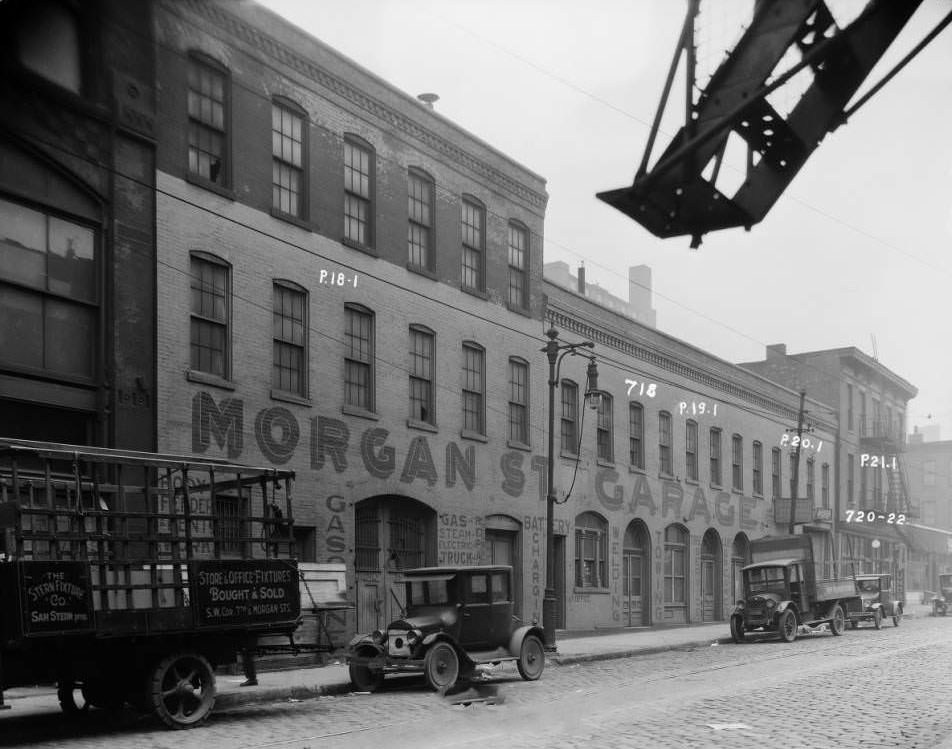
(870, 402)
(351, 288)
(929, 478)
(77, 244)
(686, 459)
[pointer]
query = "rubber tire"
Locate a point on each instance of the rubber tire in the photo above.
(66, 694)
(531, 661)
(787, 626)
(878, 618)
(837, 621)
(181, 690)
(737, 629)
(363, 678)
(441, 666)
(897, 616)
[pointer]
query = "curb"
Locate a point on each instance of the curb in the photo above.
(568, 660)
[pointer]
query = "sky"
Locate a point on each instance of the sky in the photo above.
(857, 249)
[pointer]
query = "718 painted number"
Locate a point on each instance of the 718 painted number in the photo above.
(651, 390)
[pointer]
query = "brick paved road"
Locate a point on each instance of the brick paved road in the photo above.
(870, 688)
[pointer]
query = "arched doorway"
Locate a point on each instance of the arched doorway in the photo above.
(636, 576)
(504, 546)
(740, 558)
(711, 576)
(392, 533)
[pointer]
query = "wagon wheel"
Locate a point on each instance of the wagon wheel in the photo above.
(897, 615)
(787, 626)
(837, 620)
(441, 666)
(531, 658)
(737, 628)
(182, 690)
(72, 697)
(364, 678)
(878, 618)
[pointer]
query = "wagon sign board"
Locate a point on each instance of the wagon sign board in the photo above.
(56, 597)
(242, 592)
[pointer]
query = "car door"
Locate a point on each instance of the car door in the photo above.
(476, 612)
(501, 606)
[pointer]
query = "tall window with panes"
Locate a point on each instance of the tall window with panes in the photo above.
(287, 165)
(811, 477)
(420, 213)
(473, 217)
(737, 462)
(591, 551)
(211, 315)
(690, 450)
(636, 435)
(569, 424)
(775, 467)
(758, 475)
(289, 371)
(604, 440)
(850, 473)
(519, 401)
(716, 478)
(358, 191)
(421, 375)
(474, 388)
(518, 266)
(359, 357)
(665, 440)
(207, 113)
(825, 485)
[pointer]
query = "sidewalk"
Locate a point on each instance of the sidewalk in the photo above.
(333, 679)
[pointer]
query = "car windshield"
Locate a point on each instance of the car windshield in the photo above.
(766, 580)
(868, 586)
(427, 592)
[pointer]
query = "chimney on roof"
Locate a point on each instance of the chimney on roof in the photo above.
(776, 350)
(581, 279)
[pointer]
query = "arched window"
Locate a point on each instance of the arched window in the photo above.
(690, 450)
(420, 188)
(359, 186)
(359, 358)
(208, 90)
(518, 265)
(210, 315)
(473, 218)
(422, 368)
(604, 430)
(289, 157)
(569, 431)
(474, 389)
(289, 373)
(591, 550)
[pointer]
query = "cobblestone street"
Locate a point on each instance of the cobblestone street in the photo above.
(869, 688)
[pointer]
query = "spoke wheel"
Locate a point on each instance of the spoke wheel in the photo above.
(531, 658)
(72, 698)
(787, 626)
(364, 678)
(737, 628)
(838, 621)
(441, 666)
(182, 690)
(878, 618)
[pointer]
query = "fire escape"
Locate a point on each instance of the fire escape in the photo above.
(681, 194)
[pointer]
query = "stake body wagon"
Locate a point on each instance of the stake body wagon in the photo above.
(782, 592)
(126, 577)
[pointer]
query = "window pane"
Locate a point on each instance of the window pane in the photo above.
(69, 333)
(22, 244)
(72, 260)
(21, 334)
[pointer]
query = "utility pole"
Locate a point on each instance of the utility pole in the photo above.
(795, 486)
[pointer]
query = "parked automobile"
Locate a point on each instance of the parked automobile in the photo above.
(940, 601)
(879, 601)
(455, 618)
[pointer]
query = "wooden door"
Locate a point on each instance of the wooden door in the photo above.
(708, 590)
(559, 549)
(632, 601)
(502, 550)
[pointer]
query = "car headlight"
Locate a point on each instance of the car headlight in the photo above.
(740, 602)
(378, 637)
(413, 637)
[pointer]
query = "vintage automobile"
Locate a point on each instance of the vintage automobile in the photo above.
(879, 601)
(940, 601)
(455, 618)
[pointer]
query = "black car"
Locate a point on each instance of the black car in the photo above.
(455, 618)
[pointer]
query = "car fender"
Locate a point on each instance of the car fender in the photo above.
(783, 605)
(520, 634)
(363, 639)
(875, 605)
(438, 636)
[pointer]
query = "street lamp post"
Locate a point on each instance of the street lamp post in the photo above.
(555, 352)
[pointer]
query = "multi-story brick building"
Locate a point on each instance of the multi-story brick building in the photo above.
(686, 459)
(351, 288)
(77, 238)
(870, 403)
(929, 479)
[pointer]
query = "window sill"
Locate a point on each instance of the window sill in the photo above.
(524, 311)
(361, 413)
(423, 426)
(666, 476)
(289, 218)
(466, 434)
(207, 184)
(479, 293)
(637, 469)
(283, 395)
(605, 463)
(597, 591)
(735, 490)
(421, 271)
(206, 378)
(568, 456)
(515, 445)
(719, 487)
(364, 248)
(692, 482)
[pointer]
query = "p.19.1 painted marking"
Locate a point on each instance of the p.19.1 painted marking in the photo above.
(876, 461)
(697, 408)
(338, 278)
(806, 442)
(644, 388)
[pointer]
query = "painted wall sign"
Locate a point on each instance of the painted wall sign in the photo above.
(459, 539)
